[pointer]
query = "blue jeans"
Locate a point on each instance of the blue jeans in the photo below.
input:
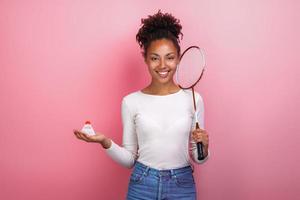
(147, 183)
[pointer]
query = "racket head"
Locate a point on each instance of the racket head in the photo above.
(191, 67)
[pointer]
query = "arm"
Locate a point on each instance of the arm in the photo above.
(127, 154)
(193, 145)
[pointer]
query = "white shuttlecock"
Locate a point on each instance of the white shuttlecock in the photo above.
(88, 129)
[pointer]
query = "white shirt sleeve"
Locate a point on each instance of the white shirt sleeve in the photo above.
(127, 154)
(200, 116)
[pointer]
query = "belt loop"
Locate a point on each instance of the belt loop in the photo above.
(146, 171)
(173, 173)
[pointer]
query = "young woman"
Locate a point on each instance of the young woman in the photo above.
(158, 121)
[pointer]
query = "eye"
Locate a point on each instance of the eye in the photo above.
(171, 58)
(154, 58)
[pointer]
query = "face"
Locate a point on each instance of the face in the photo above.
(162, 59)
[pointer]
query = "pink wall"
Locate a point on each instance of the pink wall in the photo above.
(63, 62)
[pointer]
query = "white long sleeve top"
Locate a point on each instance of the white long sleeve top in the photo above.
(157, 130)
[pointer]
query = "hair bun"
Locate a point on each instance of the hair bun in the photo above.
(160, 21)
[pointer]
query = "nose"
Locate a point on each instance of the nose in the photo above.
(162, 64)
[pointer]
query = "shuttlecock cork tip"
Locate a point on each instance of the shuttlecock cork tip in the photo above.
(87, 122)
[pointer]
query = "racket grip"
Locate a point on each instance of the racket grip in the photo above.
(199, 147)
(200, 151)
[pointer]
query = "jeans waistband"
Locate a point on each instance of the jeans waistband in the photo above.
(165, 172)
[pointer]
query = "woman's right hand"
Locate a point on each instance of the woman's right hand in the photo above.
(98, 138)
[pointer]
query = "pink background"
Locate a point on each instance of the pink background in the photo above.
(64, 61)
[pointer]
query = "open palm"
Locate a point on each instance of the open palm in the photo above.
(99, 137)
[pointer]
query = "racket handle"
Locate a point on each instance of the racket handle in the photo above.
(199, 147)
(200, 151)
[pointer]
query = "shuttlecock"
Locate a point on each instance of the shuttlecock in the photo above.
(88, 129)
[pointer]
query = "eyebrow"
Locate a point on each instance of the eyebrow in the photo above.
(166, 54)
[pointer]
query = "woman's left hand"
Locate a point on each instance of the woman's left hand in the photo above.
(200, 135)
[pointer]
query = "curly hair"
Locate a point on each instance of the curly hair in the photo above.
(159, 26)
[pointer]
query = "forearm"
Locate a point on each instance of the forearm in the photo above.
(125, 156)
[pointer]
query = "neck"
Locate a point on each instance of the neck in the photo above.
(163, 89)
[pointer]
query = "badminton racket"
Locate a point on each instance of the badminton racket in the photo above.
(188, 73)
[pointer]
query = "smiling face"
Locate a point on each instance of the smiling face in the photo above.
(162, 58)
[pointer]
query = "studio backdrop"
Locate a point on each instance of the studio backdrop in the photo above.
(63, 62)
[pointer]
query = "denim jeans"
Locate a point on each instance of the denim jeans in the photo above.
(147, 183)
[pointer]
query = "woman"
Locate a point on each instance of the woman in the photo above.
(158, 121)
